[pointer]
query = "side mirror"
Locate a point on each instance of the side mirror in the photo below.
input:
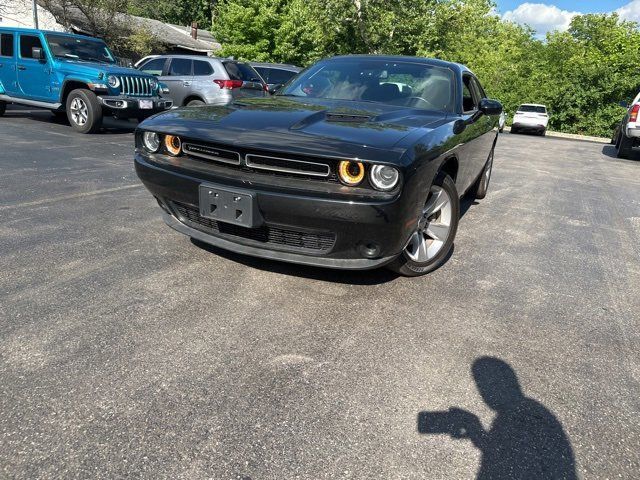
(37, 53)
(490, 107)
(274, 87)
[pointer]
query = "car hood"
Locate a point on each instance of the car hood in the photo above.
(93, 67)
(287, 123)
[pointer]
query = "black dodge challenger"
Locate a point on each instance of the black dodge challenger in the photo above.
(358, 162)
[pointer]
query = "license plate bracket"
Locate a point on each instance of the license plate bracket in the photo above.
(145, 104)
(235, 206)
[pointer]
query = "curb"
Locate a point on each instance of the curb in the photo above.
(573, 136)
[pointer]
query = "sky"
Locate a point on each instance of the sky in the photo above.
(546, 15)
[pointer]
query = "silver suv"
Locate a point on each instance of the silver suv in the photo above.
(195, 80)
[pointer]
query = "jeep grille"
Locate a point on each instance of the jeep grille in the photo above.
(135, 86)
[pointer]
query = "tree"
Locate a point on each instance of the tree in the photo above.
(178, 12)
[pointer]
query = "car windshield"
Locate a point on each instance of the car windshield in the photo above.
(74, 48)
(532, 109)
(415, 85)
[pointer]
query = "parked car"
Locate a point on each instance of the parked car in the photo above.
(530, 117)
(342, 168)
(626, 135)
(73, 75)
(195, 80)
(275, 74)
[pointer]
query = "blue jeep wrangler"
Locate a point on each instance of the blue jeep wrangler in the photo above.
(73, 75)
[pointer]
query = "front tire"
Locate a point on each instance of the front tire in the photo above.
(432, 241)
(3, 108)
(84, 111)
(195, 103)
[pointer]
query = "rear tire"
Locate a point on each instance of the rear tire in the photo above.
(3, 108)
(195, 103)
(481, 186)
(432, 241)
(514, 130)
(84, 111)
(543, 133)
(624, 146)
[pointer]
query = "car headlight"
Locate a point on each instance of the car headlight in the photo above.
(153, 83)
(173, 144)
(151, 141)
(351, 173)
(384, 177)
(113, 81)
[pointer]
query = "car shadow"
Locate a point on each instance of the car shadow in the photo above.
(351, 277)
(525, 439)
(110, 125)
(610, 151)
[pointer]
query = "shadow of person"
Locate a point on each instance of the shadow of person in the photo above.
(525, 441)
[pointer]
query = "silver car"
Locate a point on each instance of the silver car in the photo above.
(196, 80)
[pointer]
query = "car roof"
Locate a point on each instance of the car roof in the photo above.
(407, 58)
(194, 57)
(282, 66)
(35, 31)
(532, 105)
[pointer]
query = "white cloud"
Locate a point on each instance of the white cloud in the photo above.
(630, 11)
(544, 18)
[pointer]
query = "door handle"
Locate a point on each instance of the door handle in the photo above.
(186, 84)
(21, 67)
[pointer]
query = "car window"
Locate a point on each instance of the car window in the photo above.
(264, 73)
(478, 88)
(180, 67)
(6, 44)
(532, 109)
(202, 68)
(241, 71)
(415, 85)
(278, 75)
(469, 97)
(27, 42)
(154, 66)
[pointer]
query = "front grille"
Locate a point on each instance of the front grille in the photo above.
(287, 165)
(285, 238)
(211, 153)
(135, 86)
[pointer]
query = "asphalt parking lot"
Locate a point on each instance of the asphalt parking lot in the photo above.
(128, 351)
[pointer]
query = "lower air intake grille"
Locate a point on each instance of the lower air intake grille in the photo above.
(290, 239)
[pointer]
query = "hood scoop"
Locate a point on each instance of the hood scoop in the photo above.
(346, 117)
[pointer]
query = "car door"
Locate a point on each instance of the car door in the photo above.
(471, 151)
(33, 74)
(8, 79)
(486, 125)
(178, 77)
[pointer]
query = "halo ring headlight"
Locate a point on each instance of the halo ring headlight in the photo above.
(113, 81)
(173, 144)
(151, 141)
(384, 177)
(351, 173)
(153, 83)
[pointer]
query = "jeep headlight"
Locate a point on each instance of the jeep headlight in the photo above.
(113, 81)
(153, 83)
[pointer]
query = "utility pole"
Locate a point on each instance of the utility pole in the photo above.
(35, 14)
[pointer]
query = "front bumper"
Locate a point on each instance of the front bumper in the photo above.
(366, 234)
(130, 104)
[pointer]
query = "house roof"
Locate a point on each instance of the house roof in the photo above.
(171, 35)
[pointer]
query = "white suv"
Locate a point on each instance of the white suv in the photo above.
(530, 117)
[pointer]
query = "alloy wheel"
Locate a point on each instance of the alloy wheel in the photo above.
(434, 227)
(79, 111)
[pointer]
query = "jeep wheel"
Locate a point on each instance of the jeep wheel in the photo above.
(3, 108)
(624, 146)
(431, 243)
(84, 111)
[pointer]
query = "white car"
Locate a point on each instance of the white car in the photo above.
(627, 133)
(530, 117)
(502, 121)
